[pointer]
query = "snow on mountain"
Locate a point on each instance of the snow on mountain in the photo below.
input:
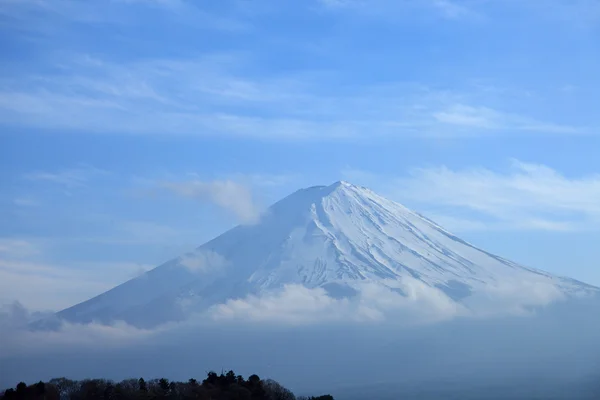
(328, 251)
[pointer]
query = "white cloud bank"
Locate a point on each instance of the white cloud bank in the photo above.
(412, 303)
(408, 304)
(17, 337)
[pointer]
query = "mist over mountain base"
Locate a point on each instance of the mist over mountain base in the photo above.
(552, 354)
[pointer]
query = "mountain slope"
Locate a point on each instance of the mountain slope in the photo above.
(338, 238)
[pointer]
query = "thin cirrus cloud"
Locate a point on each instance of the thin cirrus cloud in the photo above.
(219, 95)
(69, 178)
(577, 12)
(12, 247)
(527, 196)
(490, 119)
(25, 202)
(49, 15)
(454, 10)
(212, 96)
(451, 9)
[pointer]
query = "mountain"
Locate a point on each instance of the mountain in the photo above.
(342, 239)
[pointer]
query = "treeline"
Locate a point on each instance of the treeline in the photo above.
(227, 386)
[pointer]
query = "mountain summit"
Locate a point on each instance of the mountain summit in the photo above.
(338, 238)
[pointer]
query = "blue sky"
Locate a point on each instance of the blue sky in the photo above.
(133, 130)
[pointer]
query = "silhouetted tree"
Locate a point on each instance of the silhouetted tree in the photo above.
(230, 378)
(65, 387)
(275, 391)
(164, 386)
(21, 392)
(109, 390)
(119, 392)
(40, 389)
(323, 397)
(10, 394)
(142, 386)
(92, 389)
(211, 379)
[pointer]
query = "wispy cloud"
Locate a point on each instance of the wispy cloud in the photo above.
(48, 286)
(14, 330)
(17, 248)
(487, 118)
(214, 96)
(25, 202)
(119, 12)
(229, 195)
(579, 13)
(69, 178)
(449, 9)
(263, 180)
(336, 3)
(132, 231)
(238, 94)
(454, 9)
(528, 196)
(203, 261)
(28, 275)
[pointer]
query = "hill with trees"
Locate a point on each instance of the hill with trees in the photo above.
(226, 386)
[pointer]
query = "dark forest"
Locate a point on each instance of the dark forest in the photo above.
(226, 386)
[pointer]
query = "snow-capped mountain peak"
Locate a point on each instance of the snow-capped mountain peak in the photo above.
(339, 238)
